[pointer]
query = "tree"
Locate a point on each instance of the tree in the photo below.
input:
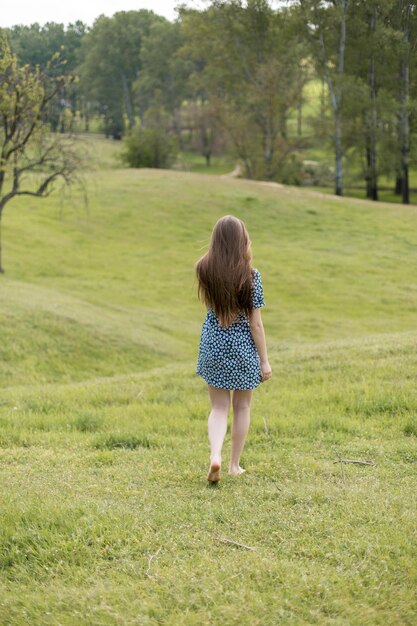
(162, 79)
(35, 45)
(249, 59)
(325, 24)
(150, 144)
(368, 105)
(162, 70)
(31, 158)
(383, 36)
(111, 63)
(202, 123)
(405, 18)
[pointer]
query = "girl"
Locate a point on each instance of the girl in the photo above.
(233, 355)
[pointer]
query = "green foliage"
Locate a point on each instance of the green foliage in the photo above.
(36, 45)
(250, 66)
(111, 63)
(150, 145)
(290, 171)
(313, 173)
(232, 78)
(164, 73)
(363, 50)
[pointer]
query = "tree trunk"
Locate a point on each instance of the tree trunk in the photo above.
(368, 163)
(86, 116)
(406, 183)
(128, 101)
(371, 176)
(249, 173)
(268, 151)
(404, 121)
(2, 175)
(283, 124)
(300, 118)
(323, 100)
(398, 189)
(404, 133)
(372, 190)
(1, 266)
(177, 129)
(338, 154)
(335, 93)
(338, 114)
(373, 181)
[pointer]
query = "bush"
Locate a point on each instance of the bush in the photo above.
(149, 147)
(290, 171)
(317, 174)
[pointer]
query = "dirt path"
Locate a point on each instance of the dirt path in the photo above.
(235, 174)
(293, 190)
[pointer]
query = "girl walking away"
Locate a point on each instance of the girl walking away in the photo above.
(233, 358)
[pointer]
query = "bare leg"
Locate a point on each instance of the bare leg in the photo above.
(241, 418)
(217, 427)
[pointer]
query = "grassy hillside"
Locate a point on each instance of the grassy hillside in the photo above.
(106, 517)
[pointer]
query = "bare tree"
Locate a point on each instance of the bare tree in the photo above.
(32, 158)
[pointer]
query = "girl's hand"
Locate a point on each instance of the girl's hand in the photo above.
(266, 371)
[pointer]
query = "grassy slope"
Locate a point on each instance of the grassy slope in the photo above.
(103, 422)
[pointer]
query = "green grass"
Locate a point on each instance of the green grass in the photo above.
(384, 195)
(196, 163)
(105, 513)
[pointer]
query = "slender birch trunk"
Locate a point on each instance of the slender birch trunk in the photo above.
(404, 98)
(372, 178)
(335, 93)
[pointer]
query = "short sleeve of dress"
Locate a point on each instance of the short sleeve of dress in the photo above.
(257, 291)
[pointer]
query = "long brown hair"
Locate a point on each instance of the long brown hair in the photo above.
(224, 273)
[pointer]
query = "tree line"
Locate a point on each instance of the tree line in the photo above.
(234, 77)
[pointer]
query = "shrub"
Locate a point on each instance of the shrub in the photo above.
(149, 147)
(317, 174)
(290, 171)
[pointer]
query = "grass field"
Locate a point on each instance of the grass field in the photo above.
(106, 517)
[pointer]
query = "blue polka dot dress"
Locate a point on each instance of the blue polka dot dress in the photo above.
(228, 358)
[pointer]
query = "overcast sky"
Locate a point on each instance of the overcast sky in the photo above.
(65, 11)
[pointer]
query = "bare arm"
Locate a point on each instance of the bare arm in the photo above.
(258, 334)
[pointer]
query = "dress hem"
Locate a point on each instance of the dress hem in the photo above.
(229, 388)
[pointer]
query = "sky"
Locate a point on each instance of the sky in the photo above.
(29, 11)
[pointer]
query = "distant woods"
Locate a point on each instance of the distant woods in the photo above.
(298, 94)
